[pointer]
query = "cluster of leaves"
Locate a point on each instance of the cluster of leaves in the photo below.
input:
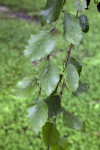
(47, 77)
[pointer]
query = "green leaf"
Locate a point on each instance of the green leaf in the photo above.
(72, 29)
(83, 87)
(27, 87)
(39, 46)
(71, 77)
(63, 143)
(76, 64)
(50, 134)
(84, 23)
(54, 105)
(56, 147)
(55, 91)
(38, 115)
(72, 121)
(48, 76)
(51, 11)
(81, 5)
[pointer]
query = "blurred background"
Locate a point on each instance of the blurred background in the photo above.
(18, 20)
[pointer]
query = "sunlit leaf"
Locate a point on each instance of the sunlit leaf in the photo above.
(27, 87)
(48, 76)
(72, 29)
(39, 46)
(38, 115)
(51, 11)
(50, 134)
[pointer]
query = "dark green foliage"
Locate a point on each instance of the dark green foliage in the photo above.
(96, 1)
(83, 87)
(62, 144)
(50, 134)
(56, 147)
(54, 105)
(71, 120)
(84, 23)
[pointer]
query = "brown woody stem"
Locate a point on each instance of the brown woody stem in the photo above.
(48, 147)
(39, 94)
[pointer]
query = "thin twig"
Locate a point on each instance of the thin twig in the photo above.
(54, 121)
(53, 30)
(64, 67)
(66, 62)
(48, 147)
(77, 14)
(67, 57)
(39, 94)
(48, 57)
(68, 54)
(61, 92)
(63, 2)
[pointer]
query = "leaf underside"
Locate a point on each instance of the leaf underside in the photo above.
(72, 29)
(39, 46)
(48, 76)
(27, 87)
(38, 115)
(81, 5)
(71, 77)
